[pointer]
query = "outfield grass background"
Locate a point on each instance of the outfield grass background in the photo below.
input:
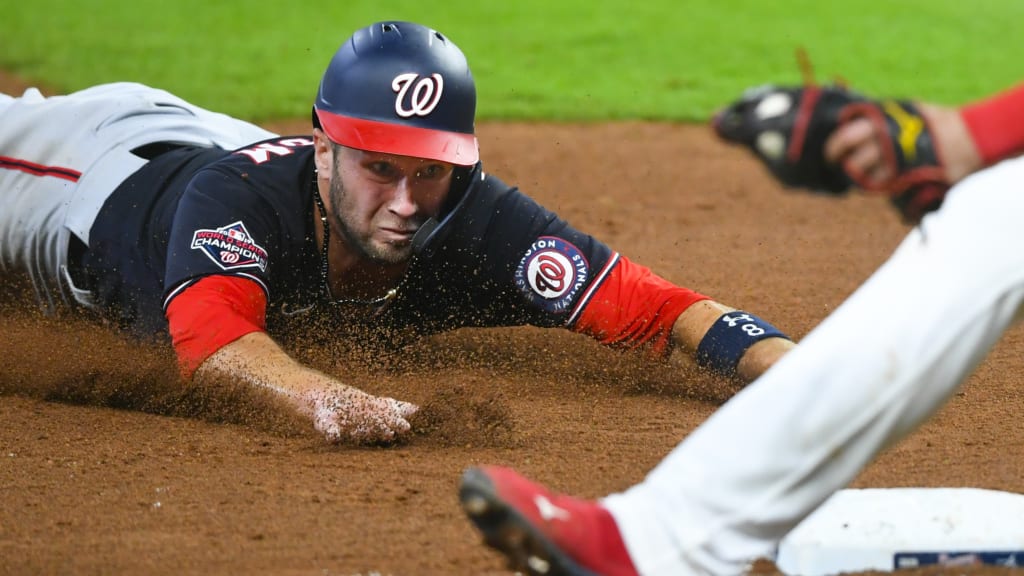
(532, 59)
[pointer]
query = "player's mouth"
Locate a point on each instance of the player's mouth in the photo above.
(398, 234)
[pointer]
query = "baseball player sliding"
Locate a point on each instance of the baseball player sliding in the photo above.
(382, 225)
(873, 371)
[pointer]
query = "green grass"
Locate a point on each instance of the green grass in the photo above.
(532, 59)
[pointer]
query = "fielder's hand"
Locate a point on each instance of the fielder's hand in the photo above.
(345, 413)
(793, 131)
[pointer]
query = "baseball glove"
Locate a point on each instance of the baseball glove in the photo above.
(787, 127)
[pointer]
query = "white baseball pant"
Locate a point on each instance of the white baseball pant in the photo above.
(868, 375)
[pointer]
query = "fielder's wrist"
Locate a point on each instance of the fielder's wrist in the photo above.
(995, 125)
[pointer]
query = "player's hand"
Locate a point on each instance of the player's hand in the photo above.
(860, 146)
(348, 414)
(828, 138)
(857, 146)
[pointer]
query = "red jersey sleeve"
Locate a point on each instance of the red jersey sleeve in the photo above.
(997, 125)
(212, 313)
(634, 307)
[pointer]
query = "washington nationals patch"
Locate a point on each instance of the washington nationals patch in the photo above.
(551, 273)
(230, 247)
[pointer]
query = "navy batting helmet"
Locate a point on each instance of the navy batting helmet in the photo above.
(400, 88)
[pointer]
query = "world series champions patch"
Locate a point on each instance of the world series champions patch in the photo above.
(230, 247)
(551, 273)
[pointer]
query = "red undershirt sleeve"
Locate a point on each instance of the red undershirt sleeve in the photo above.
(997, 125)
(634, 307)
(212, 313)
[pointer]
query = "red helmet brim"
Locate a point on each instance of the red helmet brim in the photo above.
(400, 139)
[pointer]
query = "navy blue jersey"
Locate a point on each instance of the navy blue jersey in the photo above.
(497, 258)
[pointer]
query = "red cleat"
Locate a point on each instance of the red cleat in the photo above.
(542, 533)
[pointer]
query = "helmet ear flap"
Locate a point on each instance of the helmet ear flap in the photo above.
(432, 233)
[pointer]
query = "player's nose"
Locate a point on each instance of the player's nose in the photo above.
(403, 201)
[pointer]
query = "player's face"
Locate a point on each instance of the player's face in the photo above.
(380, 200)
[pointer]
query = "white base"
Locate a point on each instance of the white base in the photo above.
(886, 529)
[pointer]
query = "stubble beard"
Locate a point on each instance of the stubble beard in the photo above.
(379, 252)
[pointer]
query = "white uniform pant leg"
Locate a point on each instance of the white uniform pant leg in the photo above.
(874, 370)
(31, 200)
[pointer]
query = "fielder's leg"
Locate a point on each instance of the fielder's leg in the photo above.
(874, 370)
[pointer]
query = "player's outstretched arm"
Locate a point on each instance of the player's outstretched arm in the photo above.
(729, 341)
(216, 326)
(338, 411)
(635, 308)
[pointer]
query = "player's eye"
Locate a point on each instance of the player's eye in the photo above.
(432, 171)
(382, 169)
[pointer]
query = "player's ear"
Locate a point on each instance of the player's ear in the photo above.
(323, 152)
